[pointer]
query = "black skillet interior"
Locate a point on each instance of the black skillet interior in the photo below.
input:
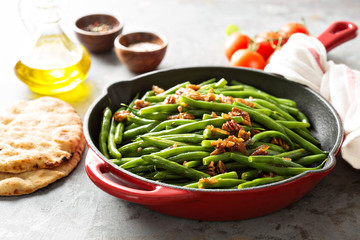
(326, 125)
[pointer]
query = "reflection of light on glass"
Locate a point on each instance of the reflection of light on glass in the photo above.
(57, 73)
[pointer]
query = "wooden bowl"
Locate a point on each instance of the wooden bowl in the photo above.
(97, 40)
(140, 51)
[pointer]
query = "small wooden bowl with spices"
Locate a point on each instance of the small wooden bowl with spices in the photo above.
(140, 51)
(98, 31)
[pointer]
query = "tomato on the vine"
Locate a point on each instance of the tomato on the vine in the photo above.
(247, 58)
(266, 43)
(290, 28)
(234, 42)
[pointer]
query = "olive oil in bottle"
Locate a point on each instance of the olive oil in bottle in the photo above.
(53, 63)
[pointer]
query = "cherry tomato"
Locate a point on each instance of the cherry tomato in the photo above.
(247, 58)
(235, 41)
(290, 28)
(266, 43)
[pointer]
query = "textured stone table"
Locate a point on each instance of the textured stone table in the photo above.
(74, 208)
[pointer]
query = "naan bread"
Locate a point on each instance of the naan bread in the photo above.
(28, 182)
(38, 134)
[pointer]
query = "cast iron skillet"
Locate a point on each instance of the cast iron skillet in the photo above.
(201, 204)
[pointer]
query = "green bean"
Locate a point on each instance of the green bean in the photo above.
(122, 160)
(224, 157)
(143, 151)
(261, 181)
(274, 160)
(164, 108)
(138, 120)
(174, 167)
(208, 134)
(139, 130)
(111, 141)
(147, 94)
(274, 107)
(254, 115)
(171, 122)
(160, 142)
(143, 168)
(293, 124)
(168, 152)
(311, 159)
(131, 126)
(187, 138)
(132, 103)
(119, 130)
(219, 183)
(189, 156)
(270, 134)
(301, 117)
(104, 132)
(211, 80)
(251, 174)
(270, 145)
(190, 127)
(294, 154)
(229, 175)
(175, 88)
(302, 142)
(291, 171)
(192, 164)
(166, 175)
(292, 110)
(132, 147)
(249, 93)
(235, 166)
(157, 98)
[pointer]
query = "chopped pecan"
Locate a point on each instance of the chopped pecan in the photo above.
(247, 103)
(210, 97)
(255, 131)
(220, 168)
(170, 99)
(243, 114)
(213, 115)
(121, 115)
(181, 116)
(280, 142)
(157, 89)
(193, 87)
(231, 144)
(215, 130)
(140, 104)
(226, 99)
(261, 150)
(244, 135)
(231, 126)
(211, 169)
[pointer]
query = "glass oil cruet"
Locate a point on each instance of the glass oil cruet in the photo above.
(52, 63)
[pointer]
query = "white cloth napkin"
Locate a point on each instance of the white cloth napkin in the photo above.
(303, 59)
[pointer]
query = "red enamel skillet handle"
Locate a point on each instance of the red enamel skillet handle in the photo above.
(123, 186)
(338, 33)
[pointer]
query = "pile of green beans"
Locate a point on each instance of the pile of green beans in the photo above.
(181, 151)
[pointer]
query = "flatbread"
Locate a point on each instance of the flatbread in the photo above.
(28, 182)
(38, 134)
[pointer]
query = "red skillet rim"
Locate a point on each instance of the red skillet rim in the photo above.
(329, 165)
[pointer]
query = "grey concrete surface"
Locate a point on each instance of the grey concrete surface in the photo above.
(74, 208)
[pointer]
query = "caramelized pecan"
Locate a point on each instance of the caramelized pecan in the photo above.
(141, 104)
(280, 142)
(121, 115)
(157, 89)
(261, 150)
